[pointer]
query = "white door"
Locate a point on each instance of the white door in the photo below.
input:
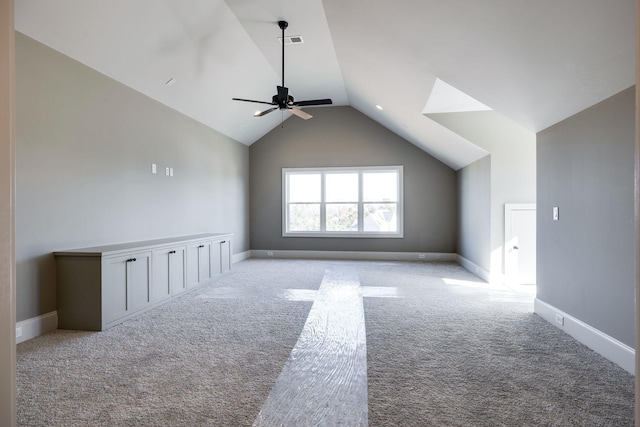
(520, 244)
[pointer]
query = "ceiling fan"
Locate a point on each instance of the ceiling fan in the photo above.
(282, 100)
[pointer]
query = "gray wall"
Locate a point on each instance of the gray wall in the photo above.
(474, 218)
(85, 145)
(586, 260)
(342, 136)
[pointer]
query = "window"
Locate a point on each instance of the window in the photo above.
(342, 202)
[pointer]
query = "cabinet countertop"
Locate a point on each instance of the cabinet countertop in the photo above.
(141, 245)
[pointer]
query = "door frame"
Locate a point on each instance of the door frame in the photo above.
(7, 217)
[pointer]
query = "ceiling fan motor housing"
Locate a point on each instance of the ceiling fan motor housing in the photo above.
(282, 103)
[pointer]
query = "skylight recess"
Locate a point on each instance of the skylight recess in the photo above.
(445, 98)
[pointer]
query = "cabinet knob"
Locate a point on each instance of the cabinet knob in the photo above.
(172, 252)
(201, 246)
(134, 260)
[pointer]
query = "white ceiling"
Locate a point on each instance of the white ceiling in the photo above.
(535, 62)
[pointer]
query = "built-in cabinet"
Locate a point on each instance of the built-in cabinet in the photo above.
(102, 286)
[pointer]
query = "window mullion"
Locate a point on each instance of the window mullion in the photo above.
(360, 203)
(323, 203)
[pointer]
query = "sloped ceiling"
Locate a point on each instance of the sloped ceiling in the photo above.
(536, 63)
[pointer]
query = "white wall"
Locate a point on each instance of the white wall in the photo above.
(513, 168)
(474, 213)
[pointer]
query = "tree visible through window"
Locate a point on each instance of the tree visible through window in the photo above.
(365, 202)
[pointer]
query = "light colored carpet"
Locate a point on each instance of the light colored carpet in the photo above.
(459, 354)
(450, 351)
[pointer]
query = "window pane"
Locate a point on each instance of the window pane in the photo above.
(341, 187)
(380, 186)
(304, 187)
(304, 217)
(342, 217)
(380, 217)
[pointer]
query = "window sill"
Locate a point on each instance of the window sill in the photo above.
(346, 235)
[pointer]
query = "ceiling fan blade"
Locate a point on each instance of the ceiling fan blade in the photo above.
(251, 100)
(262, 113)
(300, 113)
(313, 102)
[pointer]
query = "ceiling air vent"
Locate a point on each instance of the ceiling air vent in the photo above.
(291, 40)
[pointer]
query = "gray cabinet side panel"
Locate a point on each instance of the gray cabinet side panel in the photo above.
(79, 293)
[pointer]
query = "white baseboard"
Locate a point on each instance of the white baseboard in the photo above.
(619, 353)
(474, 268)
(355, 255)
(240, 257)
(36, 326)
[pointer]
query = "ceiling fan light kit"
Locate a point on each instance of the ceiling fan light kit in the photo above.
(282, 100)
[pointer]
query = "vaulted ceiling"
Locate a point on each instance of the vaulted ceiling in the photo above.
(535, 62)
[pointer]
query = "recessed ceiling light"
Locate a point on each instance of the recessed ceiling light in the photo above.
(379, 107)
(170, 82)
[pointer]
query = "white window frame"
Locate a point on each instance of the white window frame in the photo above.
(352, 234)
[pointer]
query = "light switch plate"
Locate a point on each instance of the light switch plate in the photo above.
(556, 213)
(166, 171)
(153, 168)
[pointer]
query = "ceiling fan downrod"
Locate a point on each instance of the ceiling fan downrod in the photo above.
(283, 25)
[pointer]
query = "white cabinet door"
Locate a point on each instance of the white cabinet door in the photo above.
(198, 263)
(126, 287)
(139, 281)
(192, 265)
(114, 288)
(204, 262)
(225, 256)
(177, 277)
(161, 288)
(215, 259)
(220, 257)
